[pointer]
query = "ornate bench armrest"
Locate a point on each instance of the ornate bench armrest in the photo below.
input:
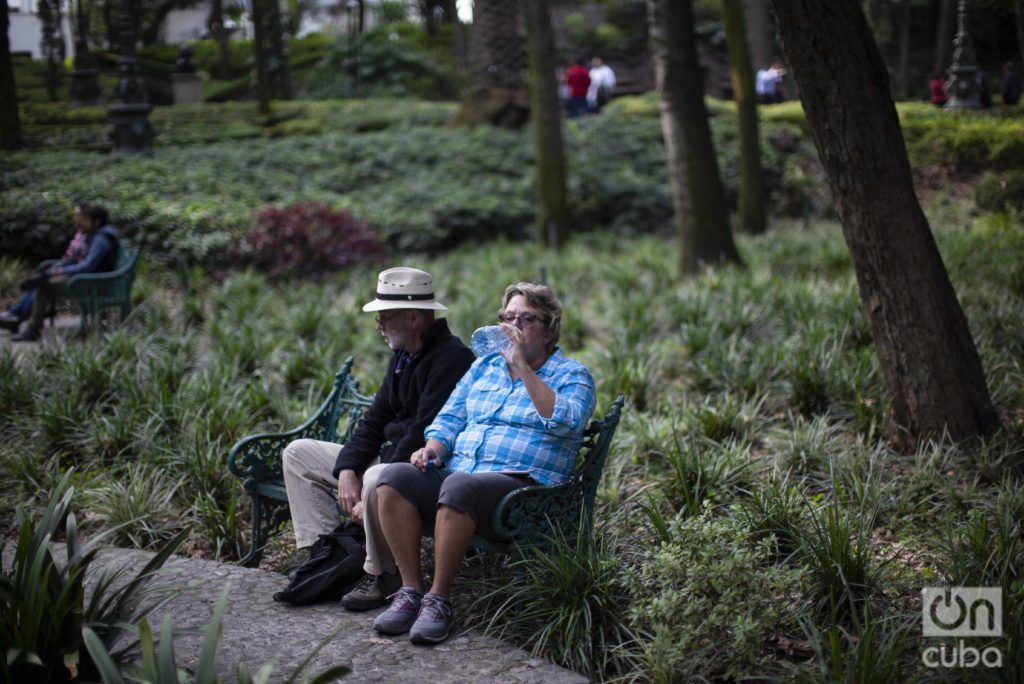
(258, 457)
(528, 514)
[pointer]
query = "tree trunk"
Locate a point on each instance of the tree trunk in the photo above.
(751, 201)
(150, 31)
(496, 94)
(702, 217)
(110, 25)
(10, 123)
(261, 56)
(220, 34)
(51, 18)
(552, 210)
(924, 346)
(943, 39)
(270, 58)
(759, 32)
(279, 54)
(903, 70)
(1020, 26)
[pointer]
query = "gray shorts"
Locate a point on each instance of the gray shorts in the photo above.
(474, 493)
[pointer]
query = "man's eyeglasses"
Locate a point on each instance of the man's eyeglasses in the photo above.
(381, 320)
(527, 319)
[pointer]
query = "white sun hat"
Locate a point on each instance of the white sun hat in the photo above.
(404, 288)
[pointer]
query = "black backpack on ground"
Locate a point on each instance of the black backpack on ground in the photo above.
(335, 564)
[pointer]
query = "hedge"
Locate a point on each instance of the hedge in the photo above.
(421, 185)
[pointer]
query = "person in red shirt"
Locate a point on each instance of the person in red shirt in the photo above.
(937, 88)
(578, 79)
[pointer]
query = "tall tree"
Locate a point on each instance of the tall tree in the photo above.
(943, 36)
(702, 216)
(51, 18)
(1018, 9)
(751, 201)
(903, 68)
(85, 87)
(215, 22)
(759, 32)
(272, 80)
(927, 355)
(152, 19)
(10, 123)
(545, 109)
(496, 93)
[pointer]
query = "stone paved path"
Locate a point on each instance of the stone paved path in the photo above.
(63, 326)
(258, 629)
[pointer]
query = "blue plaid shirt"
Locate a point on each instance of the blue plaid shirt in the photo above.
(489, 423)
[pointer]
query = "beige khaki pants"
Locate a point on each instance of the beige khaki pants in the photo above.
(313, 499)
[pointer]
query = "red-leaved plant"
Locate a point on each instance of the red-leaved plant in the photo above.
(307, 239)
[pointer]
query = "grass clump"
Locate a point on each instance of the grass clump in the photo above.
(716, 446)
(707, 597)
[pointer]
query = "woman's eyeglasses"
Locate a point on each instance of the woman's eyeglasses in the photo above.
(381, 320)
(527, 319)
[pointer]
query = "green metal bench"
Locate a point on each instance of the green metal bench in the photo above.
(523, 518)
(94, 293)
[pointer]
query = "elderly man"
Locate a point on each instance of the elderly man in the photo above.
(516, 418)
(321, 477)
(100, 248)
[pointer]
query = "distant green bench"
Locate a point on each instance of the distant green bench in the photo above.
(94, 293)
(523, 518)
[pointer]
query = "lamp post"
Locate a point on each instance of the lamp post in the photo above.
(962, 85)
(131, 132)
(352, 7)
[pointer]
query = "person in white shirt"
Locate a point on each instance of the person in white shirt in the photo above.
(602, 83)
(768, 83)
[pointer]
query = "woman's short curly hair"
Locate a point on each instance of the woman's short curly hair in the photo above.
(543, 299)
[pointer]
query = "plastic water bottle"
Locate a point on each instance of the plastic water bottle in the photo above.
(488, 340)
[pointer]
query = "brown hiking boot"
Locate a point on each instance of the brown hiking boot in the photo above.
(372, 591)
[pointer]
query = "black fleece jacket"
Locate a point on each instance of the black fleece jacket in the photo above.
(406, 404)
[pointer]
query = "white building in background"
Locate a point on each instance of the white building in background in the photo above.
(181, 25)
(26, 31)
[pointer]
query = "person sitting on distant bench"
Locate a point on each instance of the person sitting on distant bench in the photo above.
(22, 309)
(101, 242)
(515, 419)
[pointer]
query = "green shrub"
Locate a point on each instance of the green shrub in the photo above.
(1001, 191)
(566, 602)
(137, 505)
(707, 599)
(698, 474)
(836, 547)
(43, 608)
(874, 651)
(962, 141)
(380, 63)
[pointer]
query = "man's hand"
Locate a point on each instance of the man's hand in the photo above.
(350, 489)
(357, 513)
(421, 457)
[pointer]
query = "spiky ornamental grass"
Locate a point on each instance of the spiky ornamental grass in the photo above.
(761, 384)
